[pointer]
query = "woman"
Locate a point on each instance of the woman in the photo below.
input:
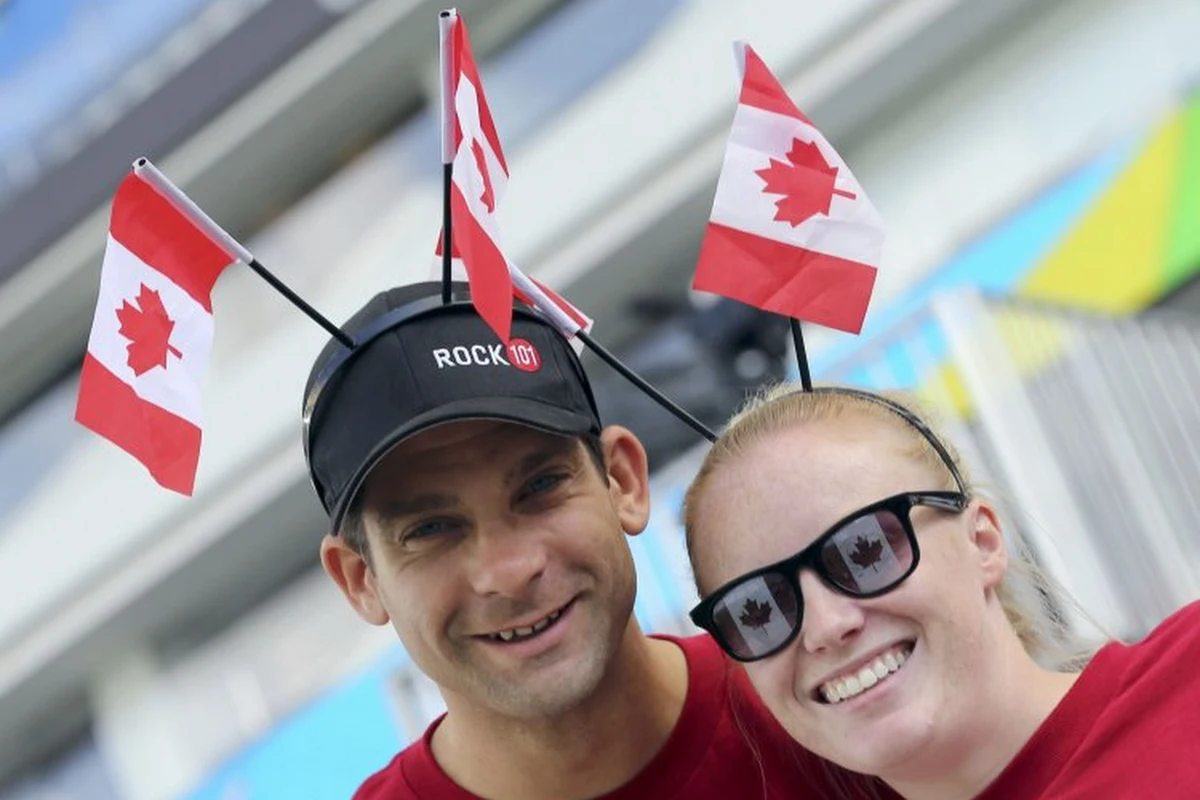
(843, 555)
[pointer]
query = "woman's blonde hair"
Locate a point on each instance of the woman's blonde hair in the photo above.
(1027, 595)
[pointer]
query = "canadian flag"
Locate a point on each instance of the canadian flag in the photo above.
(791, 230)
(479, 178)
(152, 334)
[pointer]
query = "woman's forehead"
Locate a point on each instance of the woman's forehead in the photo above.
(853, 445)
(783, 491)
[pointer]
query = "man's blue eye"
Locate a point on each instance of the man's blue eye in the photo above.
(544, 483)
(426, 529)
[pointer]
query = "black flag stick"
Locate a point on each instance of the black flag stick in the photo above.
(641, 383)
(149, 173)
(801, 355)
(446, 21)
(569, 326)
(298, 302)
(447, 170)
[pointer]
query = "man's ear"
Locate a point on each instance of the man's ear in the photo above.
(628, 477)
(354, 576)
(987, 539)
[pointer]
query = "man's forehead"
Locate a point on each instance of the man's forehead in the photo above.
(439, 453)
(482, 434)
(435, 478)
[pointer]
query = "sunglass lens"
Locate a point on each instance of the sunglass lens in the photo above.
(757, 616)
(868, 554)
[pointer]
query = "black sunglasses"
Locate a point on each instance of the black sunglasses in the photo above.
(866, 554)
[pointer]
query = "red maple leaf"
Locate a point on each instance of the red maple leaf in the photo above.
(755, 614)
(148, 329)
(488, 198)
(867, 553)
(806, 181)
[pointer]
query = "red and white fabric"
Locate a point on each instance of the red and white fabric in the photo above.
(791, 229)
(479, 179)
(151, 335)
(565, 316)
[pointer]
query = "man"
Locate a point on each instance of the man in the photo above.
(479, 507)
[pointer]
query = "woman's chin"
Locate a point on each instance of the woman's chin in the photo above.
(882, 746)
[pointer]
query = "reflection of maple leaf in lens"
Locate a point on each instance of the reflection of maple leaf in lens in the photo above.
(755, 614)
(867, 553)
(806, 182)
(148, 329)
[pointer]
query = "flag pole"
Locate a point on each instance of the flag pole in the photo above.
(801, 355)
(161, 183)
(446, 22)
(449, 39)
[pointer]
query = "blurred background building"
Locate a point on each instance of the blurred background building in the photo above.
(1037, 165)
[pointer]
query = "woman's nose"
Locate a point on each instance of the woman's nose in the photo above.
(830, 618)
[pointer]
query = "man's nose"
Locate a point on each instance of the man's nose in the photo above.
(506, 557)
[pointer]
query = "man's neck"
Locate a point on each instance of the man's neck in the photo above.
(595, 748)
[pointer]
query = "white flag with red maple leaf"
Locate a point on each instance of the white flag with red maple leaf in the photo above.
(480, 176)
(791, 229)
(152, 334)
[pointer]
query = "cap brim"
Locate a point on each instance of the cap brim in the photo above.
(519, 410)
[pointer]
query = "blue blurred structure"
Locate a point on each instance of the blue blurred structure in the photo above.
(56, 55)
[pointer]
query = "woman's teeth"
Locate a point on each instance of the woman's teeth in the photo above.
(516, 634)
(854, 684)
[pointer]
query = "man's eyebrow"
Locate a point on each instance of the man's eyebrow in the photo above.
(418, 504)
(556, 448)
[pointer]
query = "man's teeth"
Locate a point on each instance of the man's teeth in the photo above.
(523, 633)
(848, 686)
